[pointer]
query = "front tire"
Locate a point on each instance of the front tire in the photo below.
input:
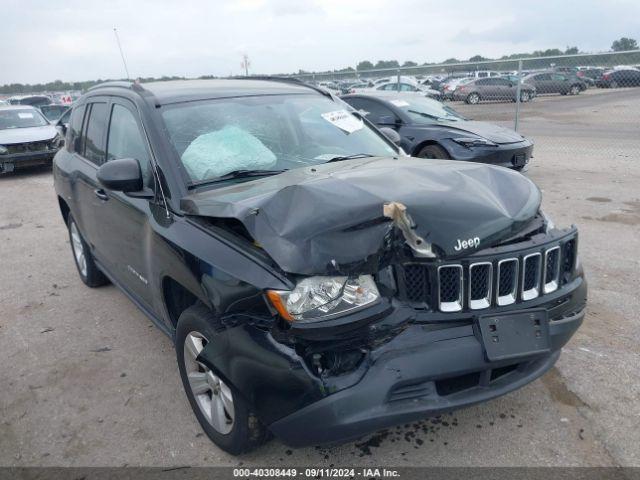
(221, 411)
(433, 151)
(574, 90)
(525, 96)
(89, 272)
(472, 99)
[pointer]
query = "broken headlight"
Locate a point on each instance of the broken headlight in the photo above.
(320, 298)
(474, 142)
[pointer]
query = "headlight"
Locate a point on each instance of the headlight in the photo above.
(474, 142)
(549, 225)
(3, 150)
(320, 298)
(57, 141)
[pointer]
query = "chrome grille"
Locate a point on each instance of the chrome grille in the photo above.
(480, 280)
(450, 286)
(531, 276)
(551, 269)
(507, 281)
(482, 284)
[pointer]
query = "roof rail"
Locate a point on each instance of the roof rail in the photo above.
(113, 83)
(297, 81)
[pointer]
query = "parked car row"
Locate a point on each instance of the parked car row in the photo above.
(490, 85)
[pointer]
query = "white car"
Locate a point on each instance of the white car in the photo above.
(403, 86)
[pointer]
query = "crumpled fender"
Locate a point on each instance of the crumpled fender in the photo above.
(315, 220)
(270, 376)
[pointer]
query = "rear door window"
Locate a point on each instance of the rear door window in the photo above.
(96, 125)
(75, 135)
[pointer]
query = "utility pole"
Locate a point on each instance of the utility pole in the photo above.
(245, 64)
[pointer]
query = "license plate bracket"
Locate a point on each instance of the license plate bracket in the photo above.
(515, 334)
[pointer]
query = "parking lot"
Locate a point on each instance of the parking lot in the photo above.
(88, 380)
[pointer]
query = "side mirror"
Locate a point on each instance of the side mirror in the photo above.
(122, 175)
(391, 134)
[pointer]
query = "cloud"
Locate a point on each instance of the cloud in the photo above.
(44, 40)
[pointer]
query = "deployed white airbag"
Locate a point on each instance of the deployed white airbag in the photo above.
(226, 150)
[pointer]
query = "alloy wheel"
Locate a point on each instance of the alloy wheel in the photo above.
(213, 396)
(78, 250)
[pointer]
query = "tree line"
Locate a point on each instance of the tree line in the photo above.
(619, 45)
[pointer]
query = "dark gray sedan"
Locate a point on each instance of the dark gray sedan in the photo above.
(429, 129)
(493, 88)
(554, 82)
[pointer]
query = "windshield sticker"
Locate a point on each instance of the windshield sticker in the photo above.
(400, 103)
(25, 115)
(343, 120)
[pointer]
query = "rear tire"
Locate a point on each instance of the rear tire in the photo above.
(433, 151)
(89, 272)
(525, 96)
(472, 99)
(219, 408)
(613, 84)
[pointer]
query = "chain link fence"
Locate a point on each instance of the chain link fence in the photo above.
(584, 104)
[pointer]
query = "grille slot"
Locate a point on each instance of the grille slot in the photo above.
(507, 281)
(480, 280)
(417, 283)
(29, 147)
(531, 276)
(450, 288)
(569, 256)
(551, 269)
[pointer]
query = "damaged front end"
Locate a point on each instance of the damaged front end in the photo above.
(403, 276)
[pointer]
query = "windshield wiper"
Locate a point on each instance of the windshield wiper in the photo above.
(428, 115)
(237, 174)
(349, 157)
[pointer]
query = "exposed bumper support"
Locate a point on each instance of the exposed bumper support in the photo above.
(408, 381)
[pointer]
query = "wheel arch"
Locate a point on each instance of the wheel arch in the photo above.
(426, 143)
(64, 209)
(177, 298)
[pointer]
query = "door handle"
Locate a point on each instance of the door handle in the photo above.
(101, 194)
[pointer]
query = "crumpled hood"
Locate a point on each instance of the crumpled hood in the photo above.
(328, 218)
(10, 136)
(492, 132)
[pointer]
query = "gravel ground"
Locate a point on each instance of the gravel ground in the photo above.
(88, 381)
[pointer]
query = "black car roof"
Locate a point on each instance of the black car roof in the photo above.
(174, 91)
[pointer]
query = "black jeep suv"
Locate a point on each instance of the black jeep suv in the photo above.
(318, 284)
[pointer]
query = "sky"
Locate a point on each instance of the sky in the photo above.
(73, 40)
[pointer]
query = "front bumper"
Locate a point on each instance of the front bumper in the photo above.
(11, 162)
(511, 155)
(422, 372)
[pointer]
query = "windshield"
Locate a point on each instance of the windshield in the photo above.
(425, 110)
(53, 112)
(267, 133)
(21, 118)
